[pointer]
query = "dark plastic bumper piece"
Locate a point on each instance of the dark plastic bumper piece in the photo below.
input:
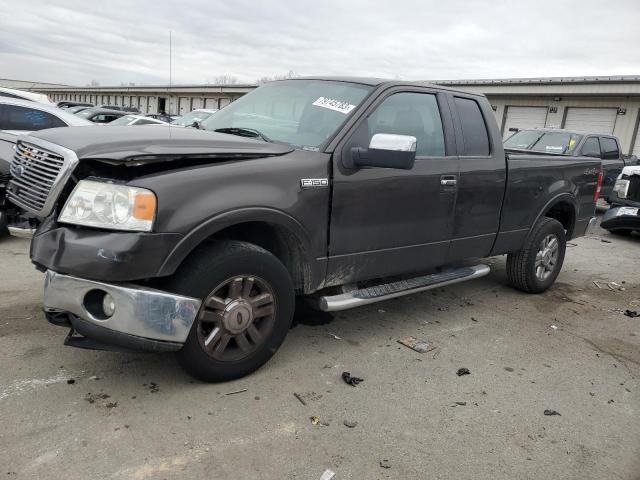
(612, 221)
(83, 334)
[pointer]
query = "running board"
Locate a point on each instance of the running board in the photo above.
(385, 291)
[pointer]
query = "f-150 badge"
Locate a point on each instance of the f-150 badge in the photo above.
(314, 183)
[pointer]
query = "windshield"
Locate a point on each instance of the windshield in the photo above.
(302, 113)
(126, 120)
(188, 119)
(543, 141)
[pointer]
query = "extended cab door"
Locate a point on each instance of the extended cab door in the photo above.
(388, 221)
(481, 183)
(612, 164)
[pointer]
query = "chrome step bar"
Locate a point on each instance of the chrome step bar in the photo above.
(385, 291)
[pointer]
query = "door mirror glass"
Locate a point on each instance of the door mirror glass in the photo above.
(386, 150)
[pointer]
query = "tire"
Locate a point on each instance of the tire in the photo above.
(4, 231)
(524, 267)
(239, 283)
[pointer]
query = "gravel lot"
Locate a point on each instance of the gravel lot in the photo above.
(76, 414)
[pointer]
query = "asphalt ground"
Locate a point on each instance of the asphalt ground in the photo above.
(79, 414)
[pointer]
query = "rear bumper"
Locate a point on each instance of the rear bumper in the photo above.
(143, 318)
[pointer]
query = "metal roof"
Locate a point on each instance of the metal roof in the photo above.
(542, 80)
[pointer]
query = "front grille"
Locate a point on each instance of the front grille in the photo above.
(34, 172)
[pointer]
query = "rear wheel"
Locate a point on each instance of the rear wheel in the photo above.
(536, 266)
(247, 306)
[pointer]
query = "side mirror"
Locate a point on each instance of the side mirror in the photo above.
(386, 151)
(195, 124)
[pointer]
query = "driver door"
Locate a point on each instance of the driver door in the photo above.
(387, 221)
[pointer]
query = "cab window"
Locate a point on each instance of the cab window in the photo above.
(414, 114)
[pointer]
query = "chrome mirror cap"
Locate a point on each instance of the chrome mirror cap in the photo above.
(392, 142)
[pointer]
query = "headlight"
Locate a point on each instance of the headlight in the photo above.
(621, 188)
(107, 205)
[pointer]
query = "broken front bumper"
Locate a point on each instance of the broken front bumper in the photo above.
(135, 317)
(621, 218)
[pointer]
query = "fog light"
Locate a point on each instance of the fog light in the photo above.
(108, 305)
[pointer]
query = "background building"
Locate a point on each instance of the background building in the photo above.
(608, 105)
(597, 104)
(177, 100)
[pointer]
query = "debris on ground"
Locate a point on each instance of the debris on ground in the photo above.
(350, 424)
(237, 391)
(555, 327)
(551, 412)
(597, 284)
(385, 463)
(303, 398)
(443, 309)
(316, 421)
(616, 286)
(71, 381)
(111, 405)
(94, 377)
(153, 387)
(463, 371)
(353, 381)
(461, 404)
(632, 313)
(334, 336)
(300, 399)
(419, 346)
(92, 397)
(327, 475)
(604, 240)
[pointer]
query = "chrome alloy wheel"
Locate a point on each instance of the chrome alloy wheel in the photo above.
(547, 257)
(236, 317)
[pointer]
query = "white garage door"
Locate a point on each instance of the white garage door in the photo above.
(591, 120)
(184, 105)
(524, 117)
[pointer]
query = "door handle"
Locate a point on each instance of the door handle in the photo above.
(448, 180)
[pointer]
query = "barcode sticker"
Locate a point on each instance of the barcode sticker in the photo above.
(331, 104)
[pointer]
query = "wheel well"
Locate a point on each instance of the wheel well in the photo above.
(565, 213)
(277, 240)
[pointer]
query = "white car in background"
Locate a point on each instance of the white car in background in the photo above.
(23, 116)
(136, 120)
(192, 118)
(22, 95)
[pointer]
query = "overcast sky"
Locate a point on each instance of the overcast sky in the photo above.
(115, 41)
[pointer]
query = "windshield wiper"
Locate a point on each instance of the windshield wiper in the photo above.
(244, 132)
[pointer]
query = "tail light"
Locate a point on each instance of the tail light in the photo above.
(598, 187)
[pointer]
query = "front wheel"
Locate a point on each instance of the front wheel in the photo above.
(536, 266)
(247, 307)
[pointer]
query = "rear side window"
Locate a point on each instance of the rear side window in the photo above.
(591, 147)
(609, 148)
(414, 114)
(474, 130)
(13, 117)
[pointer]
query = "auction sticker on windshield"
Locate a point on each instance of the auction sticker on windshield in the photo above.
(331, 104)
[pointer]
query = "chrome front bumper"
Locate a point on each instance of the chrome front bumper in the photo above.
(140, 312)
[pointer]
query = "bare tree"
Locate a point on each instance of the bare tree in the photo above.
(224, 79)
(289, 74)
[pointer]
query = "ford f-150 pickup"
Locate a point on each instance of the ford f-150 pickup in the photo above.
(345, 191)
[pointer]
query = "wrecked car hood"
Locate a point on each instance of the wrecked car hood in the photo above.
(149, 143)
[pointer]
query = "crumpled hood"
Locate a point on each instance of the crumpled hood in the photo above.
(155, 143)
(631, 170)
